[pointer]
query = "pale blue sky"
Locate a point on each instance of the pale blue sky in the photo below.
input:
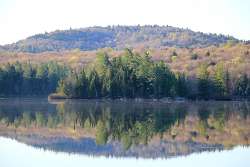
(22, 18)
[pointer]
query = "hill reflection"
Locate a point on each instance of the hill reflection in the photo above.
(126, 129)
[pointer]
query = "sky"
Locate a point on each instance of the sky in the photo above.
(22, 18)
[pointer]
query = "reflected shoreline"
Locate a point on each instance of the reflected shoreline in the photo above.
(82, 147)
(28, 156)
(126, 129)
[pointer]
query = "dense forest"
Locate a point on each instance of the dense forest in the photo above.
(117, 37)
(129, 75)
(132, 75)
(29, 79)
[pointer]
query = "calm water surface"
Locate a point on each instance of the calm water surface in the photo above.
(35, 132)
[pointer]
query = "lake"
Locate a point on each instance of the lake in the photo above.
(38, 132)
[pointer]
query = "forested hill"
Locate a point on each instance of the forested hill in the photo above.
(118, 37)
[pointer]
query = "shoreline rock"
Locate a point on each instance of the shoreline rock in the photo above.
(56, 96)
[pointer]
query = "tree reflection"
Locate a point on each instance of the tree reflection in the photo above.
(128, 122)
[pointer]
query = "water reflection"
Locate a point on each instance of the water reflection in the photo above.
(27, 156)
(126, 129)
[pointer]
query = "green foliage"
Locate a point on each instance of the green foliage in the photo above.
(137, 76)
(143, 131)
(126, 140)
(101, 133)
(94, 87)
(219, 120)
(27, 79)
(204, 85)
(181, 85)
(40, 119)
(220, 80)
(243, 86)
(135, 123)
(202, 128)
(87, 124)
(130, 75)
(50, 122)
(26, 120)
(163, 81)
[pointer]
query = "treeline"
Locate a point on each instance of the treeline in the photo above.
(129, 75)
(137, 76)
(220, 84)
(29, 79)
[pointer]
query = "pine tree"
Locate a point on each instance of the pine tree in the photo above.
(219, 81)
(181, 85)
(203, 82)
(242, 86)
(94, 87)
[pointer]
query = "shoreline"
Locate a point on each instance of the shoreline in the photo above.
(55, 97)
(58, 97)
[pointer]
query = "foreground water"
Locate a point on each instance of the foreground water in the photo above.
(81, 132)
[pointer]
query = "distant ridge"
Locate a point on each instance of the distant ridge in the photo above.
(117, 37)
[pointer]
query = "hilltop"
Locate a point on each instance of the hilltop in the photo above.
(117, 37)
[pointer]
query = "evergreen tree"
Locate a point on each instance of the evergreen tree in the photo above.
(82, 85)
(203, 82)
(94, 87)
(163, 80)
(243, 86)
(181, 85)
(219, 81)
